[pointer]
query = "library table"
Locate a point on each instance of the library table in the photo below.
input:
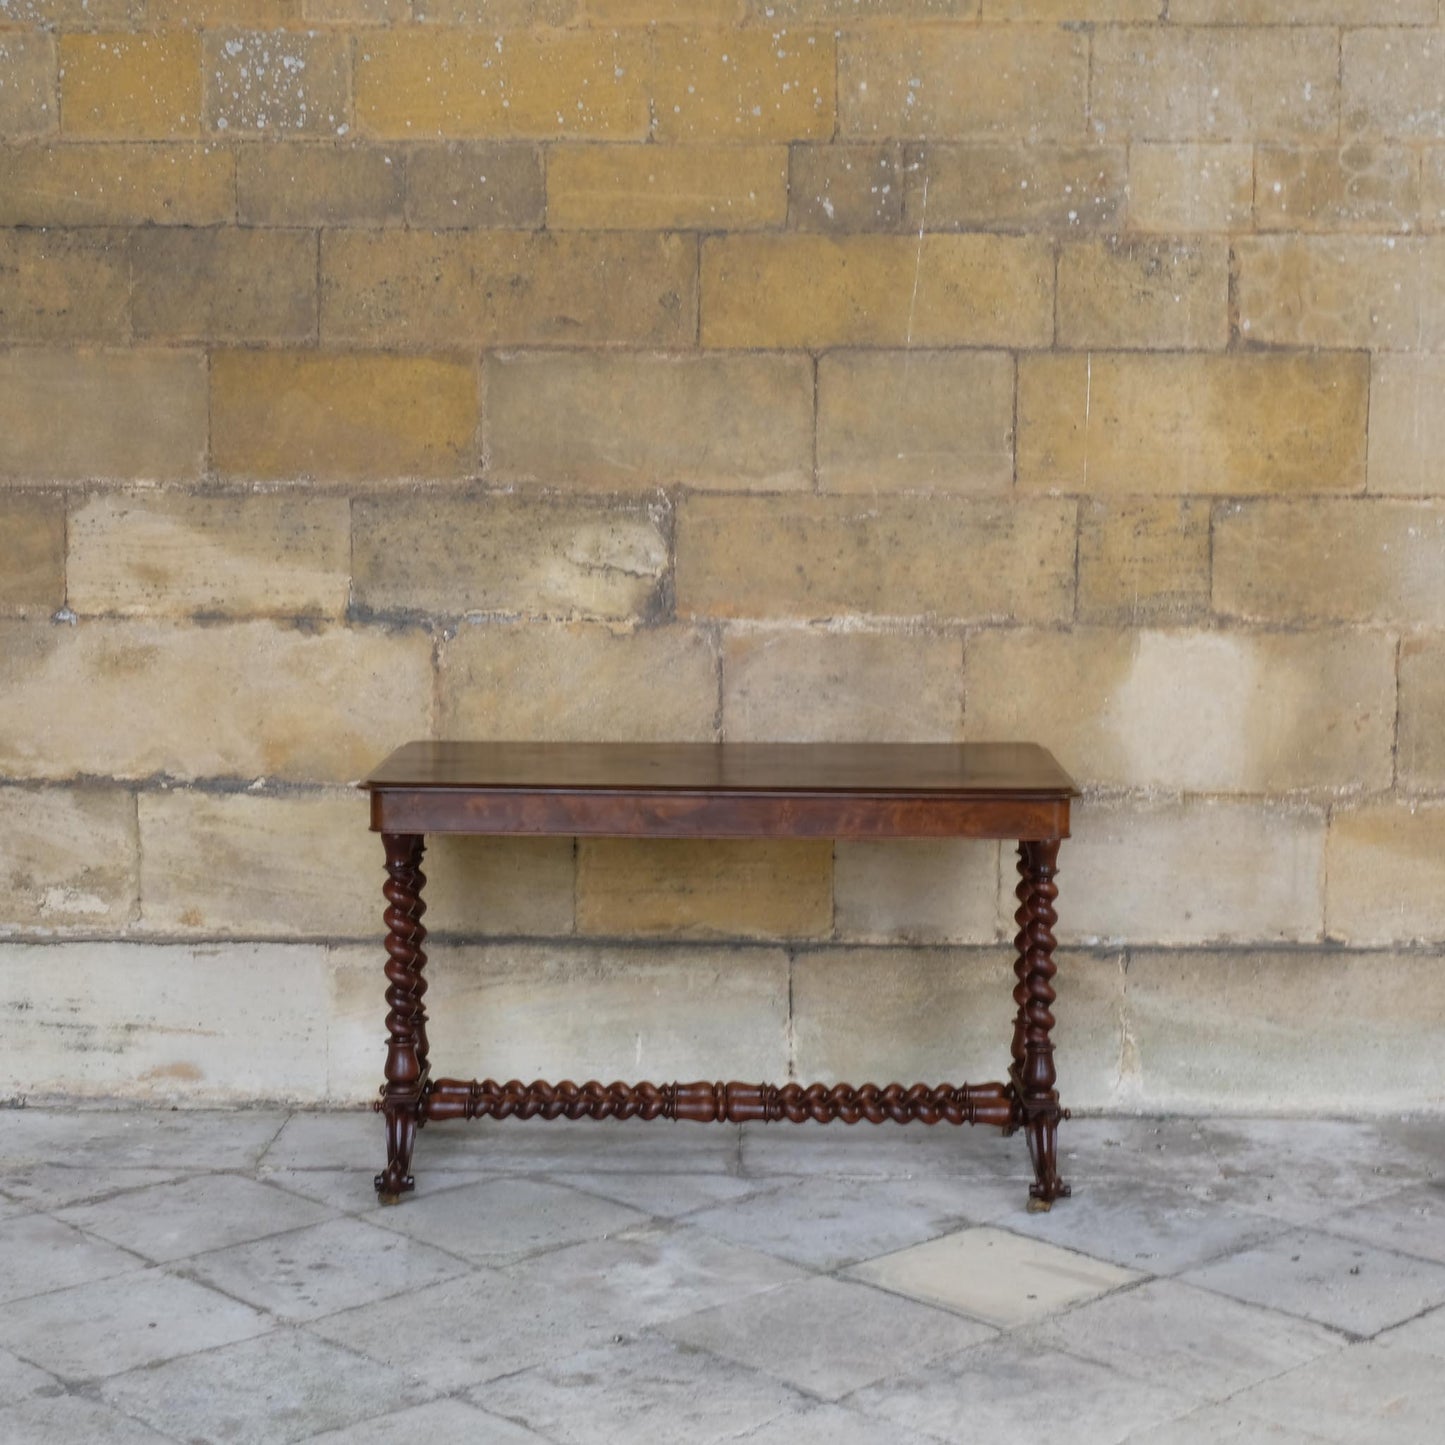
(1010, 791)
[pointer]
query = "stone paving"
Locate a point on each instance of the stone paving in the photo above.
(189, 1276)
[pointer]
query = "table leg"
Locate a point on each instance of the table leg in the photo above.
(406, 1051)
(1033, 1071)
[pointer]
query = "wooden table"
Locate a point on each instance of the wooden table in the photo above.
(726, 790)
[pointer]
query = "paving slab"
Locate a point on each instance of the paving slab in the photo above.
(190, 1139)
(833, 1425)
(68, 1420)
(439, 1422)
(39, 1254)
(1411, 1221)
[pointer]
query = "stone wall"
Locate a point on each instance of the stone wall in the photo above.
(723, 369)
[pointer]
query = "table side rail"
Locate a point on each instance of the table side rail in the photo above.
(673, 814)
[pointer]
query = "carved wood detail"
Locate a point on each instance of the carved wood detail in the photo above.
(731, 1103)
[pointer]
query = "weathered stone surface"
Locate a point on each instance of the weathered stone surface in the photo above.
(32, 582)
(845, 188)
(1009, 187)
(638, 188)
(705, 888)
(1143, 560)
(1391, 81)
(278, 82)
(245, 700)
(934, 1015)
(1123, 423)
(582, 683)
(64, 286)
(67, 415)
(172, 555)
(474, 184)
(499, 14)
(239, 1022)
(1357, 188)
(306, 865)
(1386, 293)
(319, 185)
(507, 288)
(1432, 187)
(1167, 83)
(223, 285)
(1156, 294)
(731, 422)
(765, 84)
(1386, 873)
(1205, 1029)
(28, 104)
(917, 890)
(915, 420)
(415, 83)
(1407, 426)
(1199, 711)
(1303, 12)
(823, 291)
(1331, 560)
(1182, 189)
(141, 86)
(816, 557)
(1420, 753)
(809, 685)
(965, 83)
(342, 416)
(67, 859)
(495, 552)
(76, 14)
(1202, 871)
(578, 1011)
(116, 184)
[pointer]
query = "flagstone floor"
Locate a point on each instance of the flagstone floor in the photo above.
(187, 1276)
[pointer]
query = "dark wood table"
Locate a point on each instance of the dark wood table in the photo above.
(725, 790)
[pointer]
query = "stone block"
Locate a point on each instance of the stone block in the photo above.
(67, 860)
(1420, 752)
(32, 583)
(240, 700)
(1226, 712)
(579, 683)
(1143, 560)
(964, 83)
(844, 188)
(278, 82)
(507, 288)
(64, 286)
(705, 888)
(1158, 295)
(1201, 871)
(918, 890)
(28, 100)
(84, 183)
(1132, 423)
(465, 184)
(1407, 426)
(956, 558)
(1391, 82)
(823, 291)
(507, 553)
(1172, 83)
(286, 184)
(1360, 559)
(577, 1011)
(1002, 186)
(706, 421)
(231, 1023)
(343, 416)
(223, 284)
(171, 555)
(1360, 187)
(415, 83)
(807, 685)
(78, 415)
(1386, 873)
(666, 188)
(144, 86)
(915, 421)
(1183, 189)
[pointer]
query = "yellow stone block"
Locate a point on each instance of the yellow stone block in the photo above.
(144, 86)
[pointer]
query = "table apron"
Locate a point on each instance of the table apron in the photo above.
(672, 814)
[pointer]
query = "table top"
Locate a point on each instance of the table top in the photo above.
(771, 769)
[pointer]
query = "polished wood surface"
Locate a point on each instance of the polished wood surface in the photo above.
(723, 790)
(682, 790)
(957, 769)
